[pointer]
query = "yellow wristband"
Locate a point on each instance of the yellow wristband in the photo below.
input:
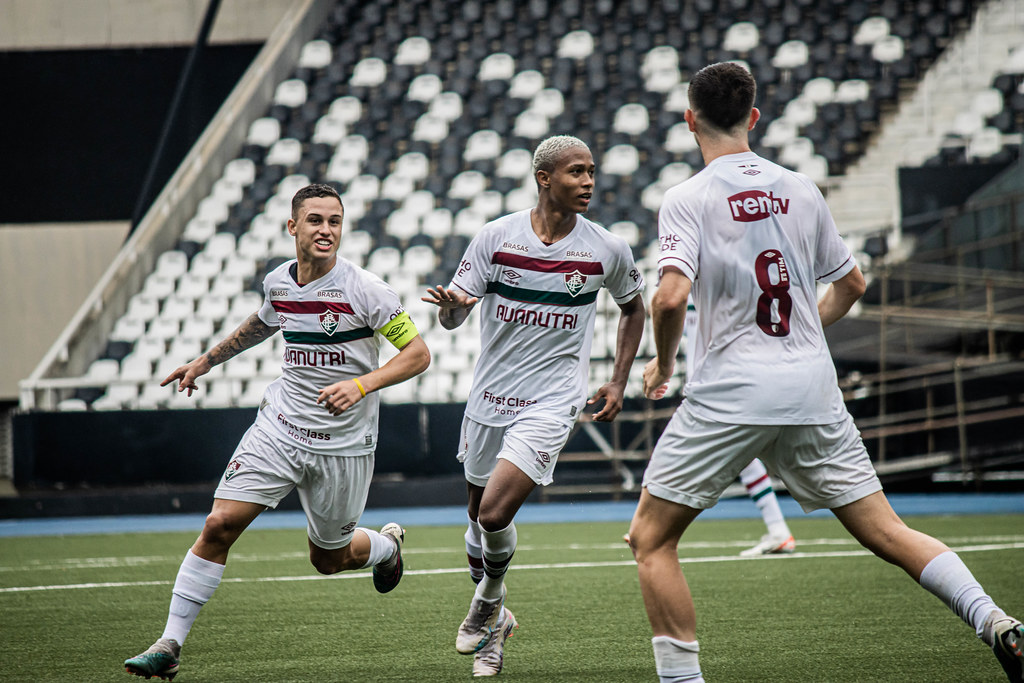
(360, 385)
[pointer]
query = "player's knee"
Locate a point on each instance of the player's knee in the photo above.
(332, 562)
(221, 529)
(494, 519)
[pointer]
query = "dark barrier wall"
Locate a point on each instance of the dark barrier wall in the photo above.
(80, 126)
(192, 446)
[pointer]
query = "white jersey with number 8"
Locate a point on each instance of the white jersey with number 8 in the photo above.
(755, 239)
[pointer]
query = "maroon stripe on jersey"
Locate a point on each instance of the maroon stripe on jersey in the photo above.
(835, 269)
(316, 307)
(504, 258)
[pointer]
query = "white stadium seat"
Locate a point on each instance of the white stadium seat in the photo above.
(424, 88)
(791, 54)
(413, 51)
(264, 132)
(286, 152)
(290, 93)
(499, 66)
(631, 119)
(369, 72)
(316, 54)
(526, 84)
(742, 36)
(347, 109)
(576, 45)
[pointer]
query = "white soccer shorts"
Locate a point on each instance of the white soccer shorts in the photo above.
(531, 443)
(332, 489)
(823, 466)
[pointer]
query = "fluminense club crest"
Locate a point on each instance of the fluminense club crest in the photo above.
(575, 281)
(329, 321)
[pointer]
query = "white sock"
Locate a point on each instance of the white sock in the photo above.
(759, 487)
(676, 660)
(474, 550)
(381, 549)
(949, 579)
(498, 548)
(197, 579)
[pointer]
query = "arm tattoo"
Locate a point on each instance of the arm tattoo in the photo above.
(249, 334)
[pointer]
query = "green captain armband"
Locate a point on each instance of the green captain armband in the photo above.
(400, 330)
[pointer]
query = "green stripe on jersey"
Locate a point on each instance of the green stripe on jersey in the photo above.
(323, 338)
(534, 296)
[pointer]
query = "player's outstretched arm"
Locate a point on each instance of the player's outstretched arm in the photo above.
(453, 305)
(412, 359)
(249, 334)
(840, 296)
(668, 311)
(627, 341)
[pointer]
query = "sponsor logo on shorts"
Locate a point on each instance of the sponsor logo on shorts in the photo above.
(756, 205)
(232, 469)
(348, 528)
(368, 439)
(543, 458)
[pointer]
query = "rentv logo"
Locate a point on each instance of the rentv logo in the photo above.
(756, 205)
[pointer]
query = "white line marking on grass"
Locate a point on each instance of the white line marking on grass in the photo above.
(236, 558)
(458, 570)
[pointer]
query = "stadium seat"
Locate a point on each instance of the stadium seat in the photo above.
(871, 30)
(128, 329)
(285, 152)
(526, 84)
(791, 54)
(437, 223)
(430, 128)
(489, 204)
(316, 54)
(531, 125)
(424, 88)
(497, 66)
(347, 109)
(483, 144)
(741, 37)
(631, 119)
(264, 132)
(369, 73)
(576, 45)
(620, 160)
(290, 93)
(887, 49)
(119, 395)
(680, 139)
(413, 51)
(467, 185)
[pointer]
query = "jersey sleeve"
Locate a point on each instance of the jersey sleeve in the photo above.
(625, 281)
(267, 313)
(678, 235)
(474, 268)
(832, 259)
(381, 304)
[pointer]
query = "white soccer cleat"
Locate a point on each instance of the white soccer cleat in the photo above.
(490, 658)
(771, 545)
(1008, 646)
(480, 624)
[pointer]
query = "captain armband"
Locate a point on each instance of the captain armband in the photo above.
(400, 330)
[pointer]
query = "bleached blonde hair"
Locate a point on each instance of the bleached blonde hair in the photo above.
(548, 151)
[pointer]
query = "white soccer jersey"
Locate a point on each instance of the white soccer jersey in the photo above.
(755, 239)
(328, 327)
(538, 303)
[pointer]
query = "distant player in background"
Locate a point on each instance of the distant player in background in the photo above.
(750, 240)
(538, 272)
(316, 429)
(754, 476)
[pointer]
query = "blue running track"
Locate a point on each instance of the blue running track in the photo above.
(733, 508)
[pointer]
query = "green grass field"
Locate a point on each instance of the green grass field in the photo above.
(73, 608)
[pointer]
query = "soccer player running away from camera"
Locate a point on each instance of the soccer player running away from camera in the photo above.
(752, 240)
(316, 428)
(538, 273)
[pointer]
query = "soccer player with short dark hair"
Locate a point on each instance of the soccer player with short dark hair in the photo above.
(316, 428)
(750, 241)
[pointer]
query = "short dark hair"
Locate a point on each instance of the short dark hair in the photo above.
(723, 95)
(310, 191)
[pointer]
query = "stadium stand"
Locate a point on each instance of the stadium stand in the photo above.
(423, 113)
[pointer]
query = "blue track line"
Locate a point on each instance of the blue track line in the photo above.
(455, 515)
